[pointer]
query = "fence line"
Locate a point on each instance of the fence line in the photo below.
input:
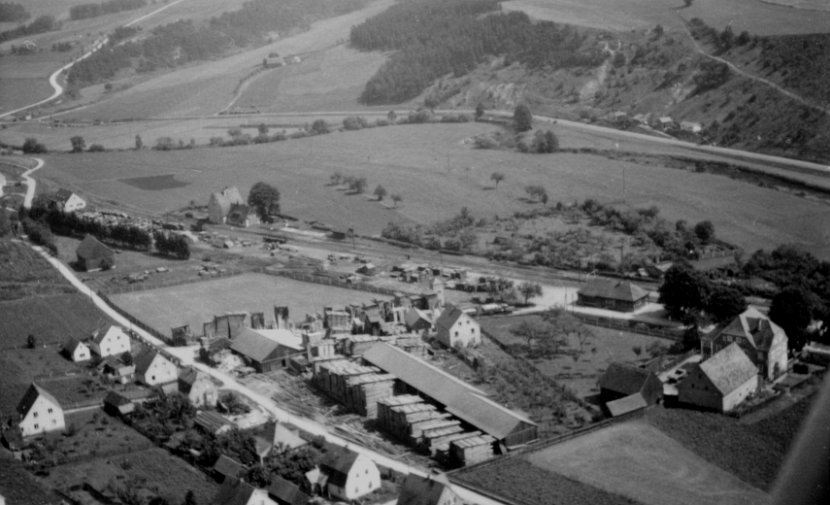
(632, 325)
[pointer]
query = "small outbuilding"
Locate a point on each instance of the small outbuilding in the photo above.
(77, 351)
(613, 294)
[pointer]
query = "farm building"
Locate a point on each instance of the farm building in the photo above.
(612, 294)
(434, 489)
(77, 351)
(93, 255)
(691, 126)
(238, 492)
(242, 216)
(454, 327)
(39, 412)
(357, 387)
(279, 435)
(227, 467)
(267, 350)
(721, 382)
(198, 388)
(212, 423)
(116, 370)
(285, 492)
(764, 342)
(111, 342)
(153, 368)
(621, 380)
(66, 201)
(417, 320)
(220, 204)
(463, 401)
(118, 404)
(348, 475)
(225, 325)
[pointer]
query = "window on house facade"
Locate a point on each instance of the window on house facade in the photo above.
(36, 426)
(35, 415)
(50, 410)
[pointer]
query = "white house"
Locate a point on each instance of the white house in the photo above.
(239, 492)
(455, 327)
(349, 475)
(39, 412)
(77, 351)
(721, 382)
(434, 489)
(152, 369)
(112, 342)
(220, 204)
(198, 388)
(67, 201)
(691, 126)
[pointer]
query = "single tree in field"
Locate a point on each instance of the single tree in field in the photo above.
(358, 185)
(551, 141)
(31, 341)
(396, 199)
(530, 330)
(529, 290)
(522, 118)
(497, 177)
(139, 144)
(336, 178)
(380, 192)
(265, 199)
(705, 231)
(78, 144)
(32, 146)
(479, 110)
(319, 127)
(262, 129)
(537, 192)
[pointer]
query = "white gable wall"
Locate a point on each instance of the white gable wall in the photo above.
(81, 353)
(363, 478)
(465, 332)
(160, 371)
(43, 416)
(114, 343)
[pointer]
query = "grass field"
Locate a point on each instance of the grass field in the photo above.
(437, 172)
(24, 273)
(197, 303)
(637, 460)
(19, 367)
(600, 350)
(52, 318)
(756, 16)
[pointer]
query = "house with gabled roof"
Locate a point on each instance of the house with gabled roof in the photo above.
(721, 382)
(613, 294)
(242, 216)
(434, 489)
(212, 423)
(762, 340)
(153, 368)
(110, 342)
(267, 350)
(220, 204)
(417, 320)
(198, 387)
(621, 380)
(77, 351)
(285, 492)
(238, 492)
(92, 255)
(348, 475)
(117, 404)
(116, 370)
(65, 200)
(455, 327)
(226, 467)
(39, 412)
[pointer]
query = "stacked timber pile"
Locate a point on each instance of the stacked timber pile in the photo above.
(423, 430)
(364, 391)
(472, 450)
(332, 377)
(439, 448)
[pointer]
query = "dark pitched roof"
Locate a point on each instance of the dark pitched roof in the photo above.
(459, 398)
(613, 290)
(91, 248)
(254, 346)
(337, 464)
(32, 394)
(417, 490)
(72, 344)
(729, 368)
(624, 379)
(448, 317)
(116, 399)
(143, 361)
(286, 492)
(233, 492)
(62, 195)
(755, 327)
(210, 421)
(228, 467)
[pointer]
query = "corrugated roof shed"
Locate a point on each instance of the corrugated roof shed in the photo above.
(458, 398)
(626, 404)
(729, 368)
(252, 345)
(228, 466)
(613, 290)
(286, 492)
(91, 248)
(210, 421)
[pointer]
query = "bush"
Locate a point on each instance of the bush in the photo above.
(96, 148)
(32, 146)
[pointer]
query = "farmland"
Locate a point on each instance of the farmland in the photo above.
(756, 16)
(50, 318)
(579, 373)
(23, 273)
(436, 171)
(196, 303)
(637, 460)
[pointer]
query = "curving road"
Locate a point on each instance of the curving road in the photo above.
(187, 354)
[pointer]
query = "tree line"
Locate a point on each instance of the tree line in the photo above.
(41, 24)
(452, 37)
(185, 41)
(93, 10)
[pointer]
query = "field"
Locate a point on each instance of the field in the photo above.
(51, 319)
(637, 460)
(23, 273)
(19, 367)
(196, 303)
(436, 172)
(580, 375)
(756, 16)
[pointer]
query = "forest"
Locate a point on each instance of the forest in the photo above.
(93, 10)
(185, 41)
(454, 37)
(12, 12)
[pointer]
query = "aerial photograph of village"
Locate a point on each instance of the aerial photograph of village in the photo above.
(414, 252)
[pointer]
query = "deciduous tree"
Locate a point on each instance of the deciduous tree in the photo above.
(265, 199)
(529, 290)
(380, 192)
(396, 199)
(78, 144)
(497, 177)
(522, 118)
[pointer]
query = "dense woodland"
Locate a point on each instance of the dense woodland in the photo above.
(93, 10)
(185, 41)
(453, 38)
(12, 12)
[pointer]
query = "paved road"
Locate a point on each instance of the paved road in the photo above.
(228, 382)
